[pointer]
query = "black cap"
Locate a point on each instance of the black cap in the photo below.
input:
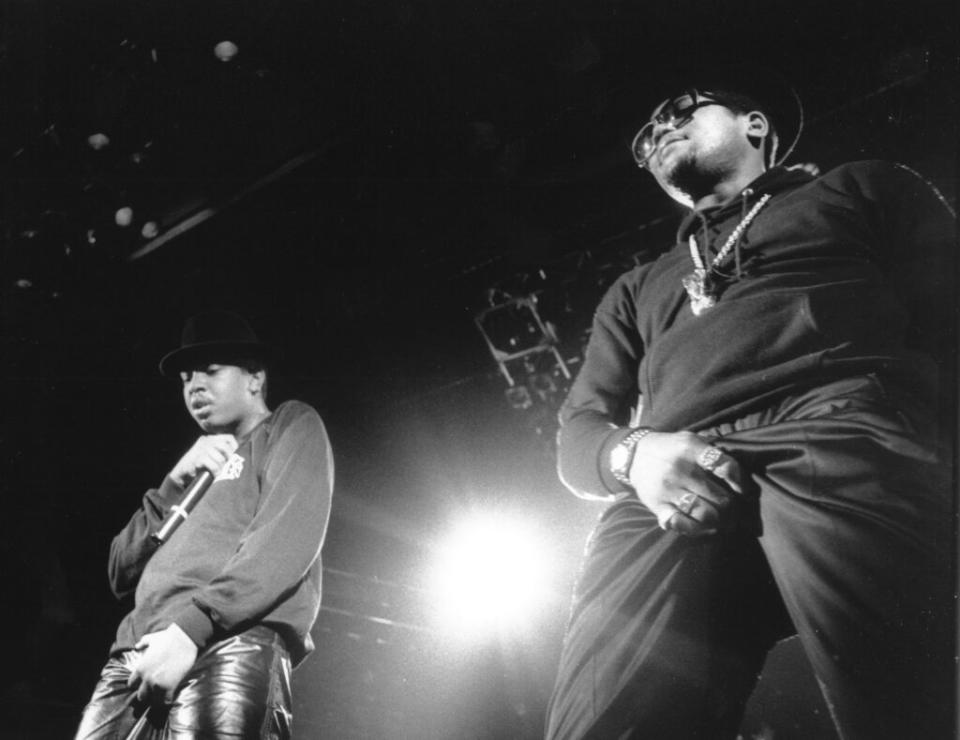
(215, 336)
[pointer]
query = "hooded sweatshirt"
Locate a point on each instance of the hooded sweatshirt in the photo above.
(842, 275)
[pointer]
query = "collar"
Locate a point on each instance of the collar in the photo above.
(773, 181)
(265, 422)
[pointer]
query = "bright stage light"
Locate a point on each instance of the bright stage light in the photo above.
(225, 51)
(492, 576)
(123, 216)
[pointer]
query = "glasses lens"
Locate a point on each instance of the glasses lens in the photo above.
(643, 145)
(682, 107)
(675, 113)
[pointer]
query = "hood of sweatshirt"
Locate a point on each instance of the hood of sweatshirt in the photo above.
(706, 225)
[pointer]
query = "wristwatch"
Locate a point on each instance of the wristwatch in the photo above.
(621, 456)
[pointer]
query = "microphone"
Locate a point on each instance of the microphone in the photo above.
(179, 512)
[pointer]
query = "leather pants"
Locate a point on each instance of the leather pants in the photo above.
(238, 687)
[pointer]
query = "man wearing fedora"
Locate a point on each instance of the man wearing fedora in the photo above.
(223, 605)
(762, 407)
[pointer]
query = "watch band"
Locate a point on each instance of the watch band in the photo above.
(629, 446)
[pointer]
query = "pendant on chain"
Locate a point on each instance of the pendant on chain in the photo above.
(701, 298)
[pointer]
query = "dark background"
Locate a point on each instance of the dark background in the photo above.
(362, 180)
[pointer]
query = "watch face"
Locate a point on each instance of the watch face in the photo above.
(618, 457)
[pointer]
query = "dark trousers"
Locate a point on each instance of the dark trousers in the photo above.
(238, 687)
(846, 540)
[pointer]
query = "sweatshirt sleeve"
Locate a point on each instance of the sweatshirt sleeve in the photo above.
(132, 548)
(916, 232)
(594, 416)
(284, 538)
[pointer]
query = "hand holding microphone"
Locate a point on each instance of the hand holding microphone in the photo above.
(202, 462)
(209, 452)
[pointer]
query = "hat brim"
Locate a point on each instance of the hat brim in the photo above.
(226, 353)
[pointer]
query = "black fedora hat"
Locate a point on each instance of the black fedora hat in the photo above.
(760, 83)
(215, 336)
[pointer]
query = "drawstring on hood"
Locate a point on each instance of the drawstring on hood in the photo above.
(744, 197)
(700, 285)
(705, 240)
(703, 227)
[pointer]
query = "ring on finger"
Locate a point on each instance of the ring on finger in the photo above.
(665, 519)
(709, 457)
(686, 503)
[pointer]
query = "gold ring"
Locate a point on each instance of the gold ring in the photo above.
(709, 458)
(686, 503)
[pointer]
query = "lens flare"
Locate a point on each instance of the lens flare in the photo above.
(492, 575)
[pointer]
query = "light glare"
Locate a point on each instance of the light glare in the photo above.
(492, 575)
(124, 216)
(225, 50)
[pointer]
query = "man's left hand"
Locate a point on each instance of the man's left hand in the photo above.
(164, 659)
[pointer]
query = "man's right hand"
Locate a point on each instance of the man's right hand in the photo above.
(685, 482)
(210, 452)
(162, 660)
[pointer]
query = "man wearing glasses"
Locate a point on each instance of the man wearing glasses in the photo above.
(763, 407)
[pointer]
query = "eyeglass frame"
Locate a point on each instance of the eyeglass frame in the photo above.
(674, 120)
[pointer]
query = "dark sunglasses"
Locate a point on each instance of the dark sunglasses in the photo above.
(675, 112)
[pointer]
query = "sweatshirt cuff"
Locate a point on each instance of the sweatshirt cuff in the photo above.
(168, 493)
(603, 461)
(157, 501)
(196, 624)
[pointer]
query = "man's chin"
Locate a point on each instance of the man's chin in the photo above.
(685, 178)
(211, 425)
(675, 169)
(205, 422)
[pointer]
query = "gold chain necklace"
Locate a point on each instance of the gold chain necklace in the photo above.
(703, 297)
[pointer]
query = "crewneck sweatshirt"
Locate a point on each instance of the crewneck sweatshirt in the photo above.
(248, 554)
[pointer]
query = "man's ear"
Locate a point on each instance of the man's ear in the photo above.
(255, 383)
(757, 124)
